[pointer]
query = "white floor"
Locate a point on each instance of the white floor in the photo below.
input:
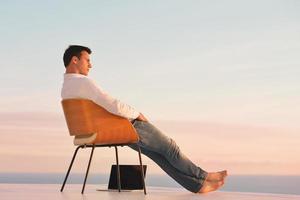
(72, 192)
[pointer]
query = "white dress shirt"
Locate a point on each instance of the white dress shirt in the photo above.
(82, 87)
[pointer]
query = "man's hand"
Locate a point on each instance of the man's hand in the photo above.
(141, 117)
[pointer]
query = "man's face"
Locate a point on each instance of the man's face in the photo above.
(83, 64)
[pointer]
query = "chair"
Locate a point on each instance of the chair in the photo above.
(93, 126)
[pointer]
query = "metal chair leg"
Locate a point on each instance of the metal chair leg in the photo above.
(118, 170)
(70, 166)
(88, 168)
(142, 170)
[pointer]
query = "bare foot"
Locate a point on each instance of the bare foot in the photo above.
(216, 176)
(211, 186)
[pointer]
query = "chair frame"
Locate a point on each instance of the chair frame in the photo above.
(93, 146)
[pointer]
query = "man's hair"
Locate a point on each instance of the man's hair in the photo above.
(74, 50)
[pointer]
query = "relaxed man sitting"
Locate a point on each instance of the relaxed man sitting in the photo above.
(153, 143)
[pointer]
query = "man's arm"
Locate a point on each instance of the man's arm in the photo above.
(85, 88)
(110, 103)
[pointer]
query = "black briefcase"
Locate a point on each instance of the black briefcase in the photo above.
(131, 177)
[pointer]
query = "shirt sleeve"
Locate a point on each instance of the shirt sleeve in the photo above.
(111, 104)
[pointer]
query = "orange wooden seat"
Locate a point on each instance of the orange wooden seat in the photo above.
(85, 118)
(93, 126)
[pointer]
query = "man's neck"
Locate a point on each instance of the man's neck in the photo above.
(72, 70)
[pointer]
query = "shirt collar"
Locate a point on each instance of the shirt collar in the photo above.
(74, 75)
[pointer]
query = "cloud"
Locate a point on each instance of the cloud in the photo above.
(34, 137)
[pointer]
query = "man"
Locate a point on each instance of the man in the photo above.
(153, 143)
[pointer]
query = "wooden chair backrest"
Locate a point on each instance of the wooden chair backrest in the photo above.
(84, 117)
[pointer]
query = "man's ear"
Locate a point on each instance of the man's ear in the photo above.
(74, 60)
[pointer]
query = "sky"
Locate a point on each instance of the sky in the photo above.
(220, 77)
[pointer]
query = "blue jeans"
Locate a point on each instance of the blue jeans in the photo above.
(164, 152)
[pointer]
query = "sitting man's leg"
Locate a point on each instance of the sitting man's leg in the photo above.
(167, 155)
(188, 182)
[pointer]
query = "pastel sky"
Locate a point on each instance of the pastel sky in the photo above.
(220, 77)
